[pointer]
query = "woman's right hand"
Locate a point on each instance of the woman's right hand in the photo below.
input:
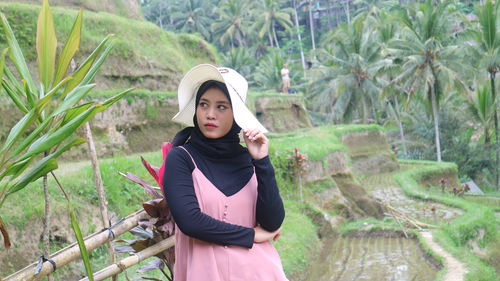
(262, 235)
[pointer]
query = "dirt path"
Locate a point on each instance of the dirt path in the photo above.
(455, 270)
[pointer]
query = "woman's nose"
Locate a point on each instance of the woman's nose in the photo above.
(211, 113)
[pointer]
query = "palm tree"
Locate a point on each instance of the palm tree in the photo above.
(347, 79)
(485, 47)
(268, 15)
(267, 75)
(191, 17)
(242, 60)
(233, 22)
(429, 55)
(482, 108)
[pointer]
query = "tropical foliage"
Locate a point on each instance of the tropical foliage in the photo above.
(54, 107)
(382, 61)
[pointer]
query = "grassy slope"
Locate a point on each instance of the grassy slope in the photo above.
(142, 49)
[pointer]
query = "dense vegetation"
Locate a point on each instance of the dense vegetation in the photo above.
(427, 68)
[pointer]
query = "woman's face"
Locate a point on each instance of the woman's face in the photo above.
(214, 114)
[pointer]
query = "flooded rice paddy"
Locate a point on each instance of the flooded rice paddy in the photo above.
(386, 189)
(372, 258)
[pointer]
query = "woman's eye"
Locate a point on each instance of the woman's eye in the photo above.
(222, 107)
(203, 104)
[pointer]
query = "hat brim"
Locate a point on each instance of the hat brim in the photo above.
(187, 94)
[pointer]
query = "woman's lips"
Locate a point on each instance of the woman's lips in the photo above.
(210, 126)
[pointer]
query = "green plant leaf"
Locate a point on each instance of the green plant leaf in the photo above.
(14, 96)
(19, 129)
(70, 48)
(82, 71)
(73, 97)
(56, 136)
(81, 243)
(43, 167)
(17, 168)
(89, 76)
(75, 111)
(107, 103)
(28, 140)
(16, 54)
(2, 62)
(46, 45)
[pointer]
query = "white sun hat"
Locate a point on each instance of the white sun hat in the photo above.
(237, 87)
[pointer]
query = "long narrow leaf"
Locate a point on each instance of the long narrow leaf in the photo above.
(70, 48)
(82, 71)
(73, 97)
(16, 53)
(81, 243)
(43, 102)
(17, 168)
(75, 111)
(53, 138)
(89, 76)
(14, 96)
(19, 129)
(45, 166)
(46, 44)
(5, 234)
(28, 140)
(2, 62)
(107, 103)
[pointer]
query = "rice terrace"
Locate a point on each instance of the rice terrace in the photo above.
(382, 119)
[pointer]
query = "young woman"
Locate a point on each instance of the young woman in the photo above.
(223, 196)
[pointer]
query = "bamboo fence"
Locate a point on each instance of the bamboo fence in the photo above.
(72, 252)
(132, 260)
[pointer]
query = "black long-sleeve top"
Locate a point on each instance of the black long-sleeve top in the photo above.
(229, 177)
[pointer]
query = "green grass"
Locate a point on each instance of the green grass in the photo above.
(298, 241)
(454, 235)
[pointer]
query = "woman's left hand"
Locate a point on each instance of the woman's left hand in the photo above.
(257, 143)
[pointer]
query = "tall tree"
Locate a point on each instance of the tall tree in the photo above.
(346, 81)
(430, 58)
(232, 23)
(192, 17)
(268, 15)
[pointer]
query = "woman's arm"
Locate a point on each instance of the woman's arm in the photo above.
(270, 212)
(181, 198)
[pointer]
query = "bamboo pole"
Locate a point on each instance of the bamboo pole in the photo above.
(99, 186)
(133, 259)
(72, 252)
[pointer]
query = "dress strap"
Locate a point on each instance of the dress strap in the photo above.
(192, 159)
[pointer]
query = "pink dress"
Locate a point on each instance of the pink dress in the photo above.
(197, 260)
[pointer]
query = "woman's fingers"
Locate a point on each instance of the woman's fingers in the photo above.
(255, 135)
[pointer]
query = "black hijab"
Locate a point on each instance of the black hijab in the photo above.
(223, 161)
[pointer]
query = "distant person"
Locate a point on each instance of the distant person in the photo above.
(223, 196)
(285, 77)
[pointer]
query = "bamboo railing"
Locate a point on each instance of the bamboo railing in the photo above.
(72, 252)
(132, 260)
